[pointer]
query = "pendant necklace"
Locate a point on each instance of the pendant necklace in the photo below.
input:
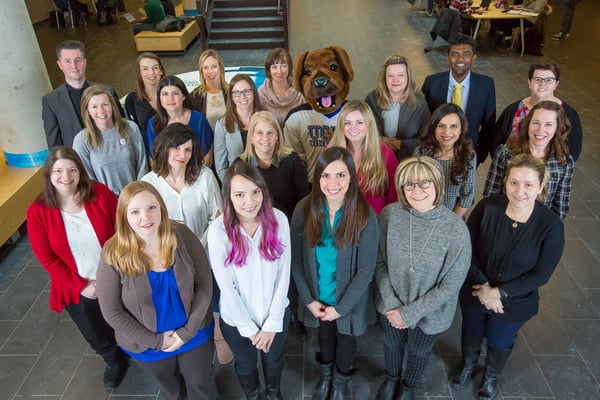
(412, 264)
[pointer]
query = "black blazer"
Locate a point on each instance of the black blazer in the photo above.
(481, 106)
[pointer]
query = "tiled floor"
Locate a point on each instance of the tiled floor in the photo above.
(43, 357)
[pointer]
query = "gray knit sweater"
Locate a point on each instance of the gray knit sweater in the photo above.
(427, 297)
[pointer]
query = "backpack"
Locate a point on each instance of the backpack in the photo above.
(170, 24)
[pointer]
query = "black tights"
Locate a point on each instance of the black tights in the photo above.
(336, 346)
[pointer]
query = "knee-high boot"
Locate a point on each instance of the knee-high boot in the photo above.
(323, 386)
(340, 384)
(494, 364)
(471, 348)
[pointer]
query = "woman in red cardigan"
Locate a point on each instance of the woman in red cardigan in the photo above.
(67, 226)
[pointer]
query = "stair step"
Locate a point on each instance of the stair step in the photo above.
(241, 3)
(259, 43)
(232, 33)
(246, 22)
(240, 12)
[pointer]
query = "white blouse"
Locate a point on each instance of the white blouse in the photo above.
(253, 296)
(83, 242)
(197, 204)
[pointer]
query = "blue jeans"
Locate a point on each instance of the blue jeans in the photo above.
(567, 17)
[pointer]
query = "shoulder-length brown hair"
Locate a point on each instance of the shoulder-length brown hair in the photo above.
(558, 146)
(411, 93)
(161, 119)
(463, 147)
(280, 55)
(125, 250)
(93, 135)
(172, 136)
(231, 116)
(85, 188)
(355, 213)
(141, 89)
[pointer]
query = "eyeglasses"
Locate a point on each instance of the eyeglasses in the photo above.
(238, 93)
(410, 186)
(547, 81)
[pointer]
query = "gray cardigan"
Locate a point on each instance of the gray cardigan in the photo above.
(427, 297)
(126, 302)
(354, 274)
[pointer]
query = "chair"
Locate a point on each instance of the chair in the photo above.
(64, 6)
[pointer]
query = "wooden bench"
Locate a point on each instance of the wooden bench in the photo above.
(167, 41)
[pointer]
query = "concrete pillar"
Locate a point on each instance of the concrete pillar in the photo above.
(23, 82)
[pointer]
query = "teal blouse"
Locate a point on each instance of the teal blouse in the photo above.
(326, 255)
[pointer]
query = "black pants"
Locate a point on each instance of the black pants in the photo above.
(336, 347)
(187, 375)
(95, 330)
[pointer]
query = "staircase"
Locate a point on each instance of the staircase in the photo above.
(248, 24)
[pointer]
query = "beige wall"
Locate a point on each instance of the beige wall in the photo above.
(38, 9)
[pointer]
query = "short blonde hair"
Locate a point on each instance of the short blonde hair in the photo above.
(417, 169)
(533, 163)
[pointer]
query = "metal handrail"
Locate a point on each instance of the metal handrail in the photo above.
(280, 11)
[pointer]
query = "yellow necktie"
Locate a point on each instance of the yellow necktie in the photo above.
(457, 95)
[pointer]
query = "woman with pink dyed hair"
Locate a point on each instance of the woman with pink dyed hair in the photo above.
(249, 250)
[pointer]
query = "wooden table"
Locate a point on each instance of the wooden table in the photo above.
(497, 13)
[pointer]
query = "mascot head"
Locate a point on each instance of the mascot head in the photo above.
(323, 77)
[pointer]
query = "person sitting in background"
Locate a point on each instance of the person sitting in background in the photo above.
(398, 106)
(543, 80)
(447, 140)
(141, 104)
(503, 27)
(111, 148)
(67, 227)
(542, 133)
(210, 97)
(154, 14)
(277, 94)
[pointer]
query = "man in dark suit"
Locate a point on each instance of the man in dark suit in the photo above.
(61, 108)
(477, 93)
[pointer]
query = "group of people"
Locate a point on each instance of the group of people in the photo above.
(234, 234)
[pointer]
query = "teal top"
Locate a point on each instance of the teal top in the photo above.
(326, 255)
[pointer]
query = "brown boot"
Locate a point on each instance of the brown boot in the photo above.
(224, 354)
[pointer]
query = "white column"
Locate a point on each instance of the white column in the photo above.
(23, 82)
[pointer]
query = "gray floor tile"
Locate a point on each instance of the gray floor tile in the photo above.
(6, 329)
(14, 370)
(568, 377)
(581, 264)
(562, 298)
(584, 334)
(593, 295)
(545, 335)
(87, 381)
(522, 377)
(57, 365)
(588, 230)
(22, 293)
(34, 330)
(13, 263)
(137, 383)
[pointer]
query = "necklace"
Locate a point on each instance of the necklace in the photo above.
(412, 264)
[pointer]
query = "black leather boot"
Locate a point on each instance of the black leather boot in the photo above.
(494, 364)
(340, 384)
(273, 383)
(250, 384)
(389, 387)
(471, 348)
(323, 386)
(408, 393)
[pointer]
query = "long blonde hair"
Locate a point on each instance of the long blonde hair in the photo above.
(93, 136)
(280, 151)
(372, 174)
(411, 93)
(125, 250)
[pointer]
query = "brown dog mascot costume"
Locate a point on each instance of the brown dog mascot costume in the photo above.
(323, 77)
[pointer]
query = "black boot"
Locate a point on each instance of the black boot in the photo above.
(273, 382)
(471, 348)
(408, 393)
(114, 374)
(340, 384)
(323, 386)
(250, 384)
(389, 387)
(494, 364)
